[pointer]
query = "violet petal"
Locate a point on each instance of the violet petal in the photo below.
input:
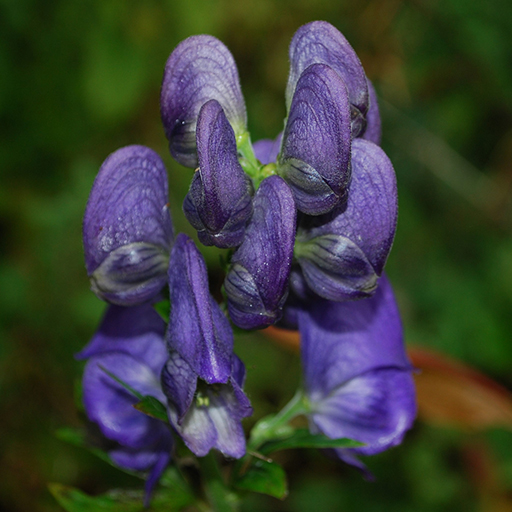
(373, 130)
(198, 330)
(137, 331)
(342, 257)
(127, 229)
(256, 284)
(266, 150)
(315, 153)
(219, 202)
(199, 69)
(320, 42)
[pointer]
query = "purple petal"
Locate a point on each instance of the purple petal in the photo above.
(214, 420)
(342, 257)
(266, 150)
(315, 154)
(219, 202)
(256, 284)
(127, 229)
(179, 383)
(109, 404)
(375, 408)
(199, 69)
(373, 131)
(198, 330)
(320, 42)
(343, 340)
(137, 331)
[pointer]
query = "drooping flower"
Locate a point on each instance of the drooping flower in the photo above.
(257, 282)
(128, 345)
(127, 228)
(203, 378)
(342, 254)
(315, 151)
(199, 69)
(219, 202)
(356, 373)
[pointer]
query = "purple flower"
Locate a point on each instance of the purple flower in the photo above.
(315, 151)
(203, 378)
(257, 281)
(357, 376)
(342, 254)
(219, 202)
(319, 42)
(206, 415)
(129, 344)
(373, 131)
(127, 228)
(199, 69)
(266, 150)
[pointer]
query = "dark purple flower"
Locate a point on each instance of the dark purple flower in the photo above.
(198, 330)
(357, 376)
(343, 254)
(129, 345)
(257, 282)
(127, 228)
(373, 130)
(219, 202)
(320, 42)
(206, 415)
(199, 69)
(315, 152)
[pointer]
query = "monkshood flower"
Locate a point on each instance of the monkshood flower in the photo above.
(356, 373)
(342, 254)
(219, 202)
(199, 69)
(319, 42)
(257, 282)
(203, 378)
(373, 130)
(127, 228)
(130, 346)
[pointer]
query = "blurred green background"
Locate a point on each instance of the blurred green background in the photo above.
(80, 79)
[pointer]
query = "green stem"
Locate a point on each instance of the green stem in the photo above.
(219, 497)
(247, 158)
(276, 426)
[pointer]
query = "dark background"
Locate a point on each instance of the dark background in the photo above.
(80, 79)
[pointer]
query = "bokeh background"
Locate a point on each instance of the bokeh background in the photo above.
(78, 79)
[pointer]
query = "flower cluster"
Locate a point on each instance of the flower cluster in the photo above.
(308, 219)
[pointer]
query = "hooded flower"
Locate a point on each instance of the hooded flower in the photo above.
(357, 376)
(129, 345)
(257, 282)
(219, 202)
(199, 69)
(342, 254)
(127, 228)
(202, 378)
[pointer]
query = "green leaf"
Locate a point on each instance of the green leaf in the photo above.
(163, 308)
(152, 407)
(119, 500)
(302, 438)
(263, 476)
(126, 386)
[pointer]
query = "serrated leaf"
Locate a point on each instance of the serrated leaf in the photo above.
(119, 500)
(152, 407)
(302, 438)
(265, 477)
(163, 308)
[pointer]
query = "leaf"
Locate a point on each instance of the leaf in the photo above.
(263, 476)
(451, 393)
(119, 500)
(152, 407)
(302, 438)
(163, 308)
